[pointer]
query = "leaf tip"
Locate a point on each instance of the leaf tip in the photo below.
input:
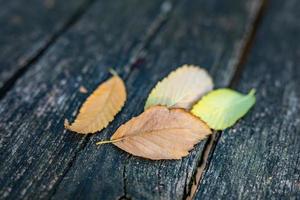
(252, 95)
(252, 92)
(67, 124)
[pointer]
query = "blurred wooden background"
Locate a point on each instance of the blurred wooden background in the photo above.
(49, 48)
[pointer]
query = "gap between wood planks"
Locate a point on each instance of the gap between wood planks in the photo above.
(135, 60)
(138, 56)
(212, 141)
(73, 19)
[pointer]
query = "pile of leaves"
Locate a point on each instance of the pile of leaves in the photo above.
(180, 111)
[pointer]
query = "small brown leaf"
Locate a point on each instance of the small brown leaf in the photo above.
(160, 133)
(83, 90)
(100, 107)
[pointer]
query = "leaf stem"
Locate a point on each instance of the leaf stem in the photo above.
(113, 72)
(252, 92)
(109, 141)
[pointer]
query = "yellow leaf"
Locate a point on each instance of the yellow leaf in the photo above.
(100, 107)
(181, 88)
(221, 108)
(160, 133)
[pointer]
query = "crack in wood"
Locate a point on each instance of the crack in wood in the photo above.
(213, 140)
(138, 55)
(70, 164)
(125, 195)
(139, 52)
(201, 167)
(248, 44)
(135, 59)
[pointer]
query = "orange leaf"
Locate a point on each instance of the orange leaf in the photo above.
(160, 133)
(100, 107)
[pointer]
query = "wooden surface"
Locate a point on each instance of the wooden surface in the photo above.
(37, 151)
(260, 157)
(139, 178)
(144, 42)
(28, 28)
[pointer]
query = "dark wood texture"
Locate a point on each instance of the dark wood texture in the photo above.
(36, 151)
(207, 33)
(28, 26)
(50, 48)
(260, 157)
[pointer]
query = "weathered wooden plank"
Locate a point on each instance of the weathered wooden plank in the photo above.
(28, 26)
(35, 150)
(260, 157)
(207, 33)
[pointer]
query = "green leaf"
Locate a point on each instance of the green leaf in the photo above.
(181, 88)
(221, 108)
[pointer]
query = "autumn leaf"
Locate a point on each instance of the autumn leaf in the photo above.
(100, 108)
(221, 108)
(181, 88)
(160, 133)
(83, 90)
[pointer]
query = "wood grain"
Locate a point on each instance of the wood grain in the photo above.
(27, 27)
(260, 157)
(206, 33)
(36, 151)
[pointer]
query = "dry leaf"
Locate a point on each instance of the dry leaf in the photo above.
(83, 90)
(100, 108)
(181, 88)
(160, 133)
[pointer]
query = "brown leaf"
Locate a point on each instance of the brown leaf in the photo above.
(160, 133)
(83, 90)
(100, 107)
